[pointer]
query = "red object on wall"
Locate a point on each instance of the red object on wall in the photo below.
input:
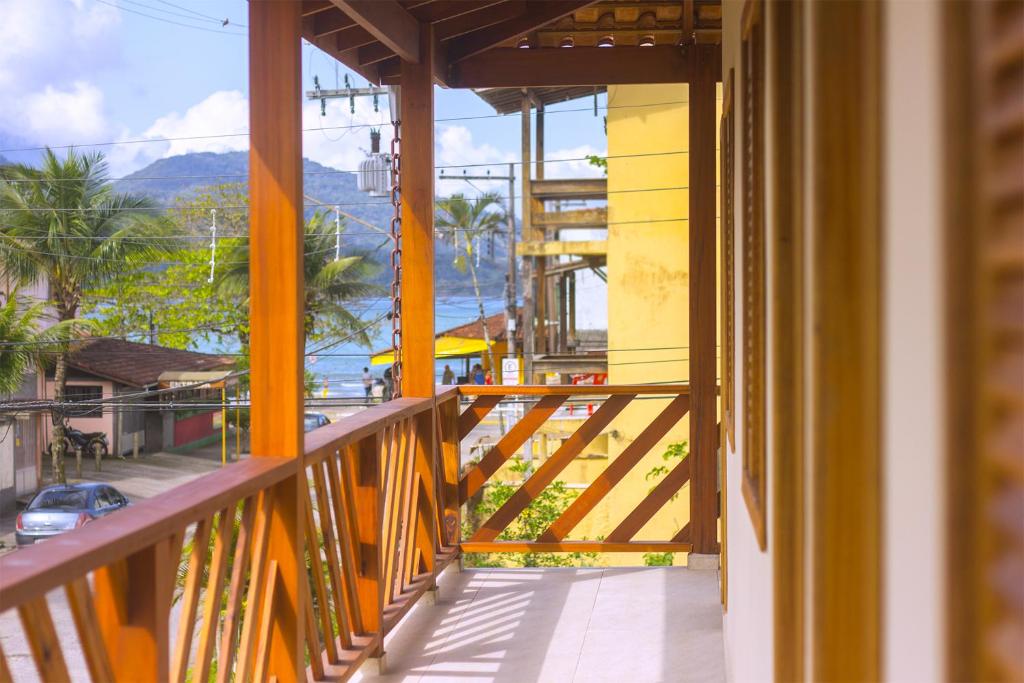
(193, 428)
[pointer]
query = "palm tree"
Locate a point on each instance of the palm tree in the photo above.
(20, 338)
(331, 281)
(64, 223)
(463, 222)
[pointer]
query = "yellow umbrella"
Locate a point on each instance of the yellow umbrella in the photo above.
(444, 347)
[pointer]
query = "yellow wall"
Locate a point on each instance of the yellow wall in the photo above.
(648, 292)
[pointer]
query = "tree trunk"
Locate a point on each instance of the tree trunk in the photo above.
(483, 317)
(57, 444)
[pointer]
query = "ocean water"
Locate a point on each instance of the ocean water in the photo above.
(342, 364)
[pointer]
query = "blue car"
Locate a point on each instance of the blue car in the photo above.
(64, 507)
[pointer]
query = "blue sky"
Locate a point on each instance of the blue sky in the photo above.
(83, 71)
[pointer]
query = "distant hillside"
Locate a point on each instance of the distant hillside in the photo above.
(169, 180)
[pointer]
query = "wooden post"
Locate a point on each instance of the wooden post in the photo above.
(418, 377)
(417, 148)
(276, 301)
(133, 604)
(529, 282)
(703, 399)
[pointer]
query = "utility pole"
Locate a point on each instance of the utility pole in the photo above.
(510, 276)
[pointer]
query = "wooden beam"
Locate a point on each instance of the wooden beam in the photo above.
(389, 23)
(703, 385)
(573, 219)
(538, 15)
(479, 18)
(569, 188)
(559, 248)
(513, 67)
(325, 24)
(417, 149)
(276, 300)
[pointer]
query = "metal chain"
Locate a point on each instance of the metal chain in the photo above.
(396, 263)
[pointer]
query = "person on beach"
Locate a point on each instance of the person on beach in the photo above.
(367, 383)
(478, 374)
(447, 377)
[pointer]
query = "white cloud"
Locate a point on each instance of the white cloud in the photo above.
(48, 51)
(216, 124)
(74, 114)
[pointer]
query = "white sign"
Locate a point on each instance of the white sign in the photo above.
(510, 371)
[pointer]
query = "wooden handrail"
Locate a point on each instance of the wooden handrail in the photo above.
(573, 389)
(325, 441)
(34, 571)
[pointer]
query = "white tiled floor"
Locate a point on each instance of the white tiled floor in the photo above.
(635, 625)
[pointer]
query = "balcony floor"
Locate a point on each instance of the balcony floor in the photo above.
(634, 624)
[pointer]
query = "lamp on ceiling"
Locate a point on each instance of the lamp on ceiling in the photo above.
(606, 41)
(523, 43)
(646, 41)
(567, 41)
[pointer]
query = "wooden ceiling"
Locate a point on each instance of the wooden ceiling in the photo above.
(516, 43)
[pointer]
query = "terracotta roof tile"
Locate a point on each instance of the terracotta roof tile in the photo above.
(138, 365)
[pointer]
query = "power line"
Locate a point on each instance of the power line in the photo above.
(200, 14)
(334, 171)
(452, 119)
(234, 207)
(170, 21)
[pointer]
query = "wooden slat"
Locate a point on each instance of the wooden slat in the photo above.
(190, 599)
(319, 585)
(133, 603)
(366, 477)
(83, 611)
(213, 595)
(575, 547)
(263, 644)
(233, 609)
(5, 671)
(254, 609)
(312, 635)
(425, 460)
(405, 512)
(43, 641)
(451, 457)
(508, 445)
(394, 505)
(617, 470)
(573, 389)
(344, 513)
(476, 412)
(327, 529)
(551, 468)
(653, 502)
(409, 529)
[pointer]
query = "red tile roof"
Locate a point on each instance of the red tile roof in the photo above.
(138, 365)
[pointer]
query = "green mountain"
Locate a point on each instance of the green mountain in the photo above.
(171, 180)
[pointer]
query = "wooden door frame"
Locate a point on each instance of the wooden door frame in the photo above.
(845, 407)
(786, 272)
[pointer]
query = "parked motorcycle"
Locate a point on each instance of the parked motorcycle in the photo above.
(87, 441)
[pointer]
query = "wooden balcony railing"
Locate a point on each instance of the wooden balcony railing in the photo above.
(381, 520)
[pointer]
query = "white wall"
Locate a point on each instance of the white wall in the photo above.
(749, 646)
(913, 351)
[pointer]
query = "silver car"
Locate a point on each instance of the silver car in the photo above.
(61, 508)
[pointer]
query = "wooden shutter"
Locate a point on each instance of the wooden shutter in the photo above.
(726, 221)
(754, 333)
(986, 250)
